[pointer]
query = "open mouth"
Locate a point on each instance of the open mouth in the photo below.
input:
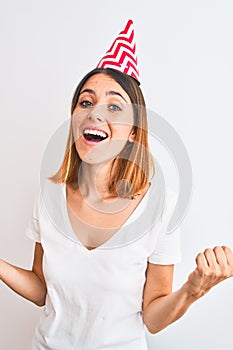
(94, 135)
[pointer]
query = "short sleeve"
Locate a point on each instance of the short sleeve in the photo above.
(167, 246)
(33, 228)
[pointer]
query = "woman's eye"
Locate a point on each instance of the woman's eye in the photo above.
(114, 108)
(85, 103)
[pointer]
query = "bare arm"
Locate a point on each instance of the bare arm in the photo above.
(30, 284)
(161, 307)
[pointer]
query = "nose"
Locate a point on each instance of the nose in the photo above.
(95, 113)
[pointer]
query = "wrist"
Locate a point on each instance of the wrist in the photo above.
(191, 294)
(1, 261)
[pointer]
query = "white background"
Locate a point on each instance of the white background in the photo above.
(185, 58)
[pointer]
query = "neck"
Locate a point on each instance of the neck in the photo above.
(94, 180)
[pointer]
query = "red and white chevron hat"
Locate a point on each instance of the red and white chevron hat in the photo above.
(122, 54)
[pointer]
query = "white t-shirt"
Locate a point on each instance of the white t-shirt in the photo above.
(94, 297)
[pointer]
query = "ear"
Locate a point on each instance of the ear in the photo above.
(132, 135)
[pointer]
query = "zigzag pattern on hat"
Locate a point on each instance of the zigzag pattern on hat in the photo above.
(122, 54)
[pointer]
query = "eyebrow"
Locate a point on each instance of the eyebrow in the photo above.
(90, 91)
(109, 93)
(112, 93)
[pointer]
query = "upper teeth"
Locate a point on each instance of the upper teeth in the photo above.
(95, 132)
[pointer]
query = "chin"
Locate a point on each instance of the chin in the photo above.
(99, 154)
(97, 161)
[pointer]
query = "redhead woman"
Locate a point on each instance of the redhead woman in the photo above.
(107, 273)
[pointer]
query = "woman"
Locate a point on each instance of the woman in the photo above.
(100, 286)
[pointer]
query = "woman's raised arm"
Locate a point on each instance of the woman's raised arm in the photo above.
(161, 307)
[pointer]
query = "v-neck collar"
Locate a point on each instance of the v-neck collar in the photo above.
(114, 237)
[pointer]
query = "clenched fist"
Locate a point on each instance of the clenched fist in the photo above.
(213, 266)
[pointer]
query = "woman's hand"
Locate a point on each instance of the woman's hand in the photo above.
(213, 266)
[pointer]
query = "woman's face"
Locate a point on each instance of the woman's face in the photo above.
(102, 120)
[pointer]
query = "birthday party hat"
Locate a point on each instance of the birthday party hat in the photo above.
(122, 54)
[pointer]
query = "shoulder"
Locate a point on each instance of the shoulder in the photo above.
(171, 195)
(170, 200)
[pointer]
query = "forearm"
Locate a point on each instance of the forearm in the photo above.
(213, 266)
(24, 282)
(167, 309)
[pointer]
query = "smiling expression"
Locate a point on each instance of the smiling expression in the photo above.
(102, 120)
